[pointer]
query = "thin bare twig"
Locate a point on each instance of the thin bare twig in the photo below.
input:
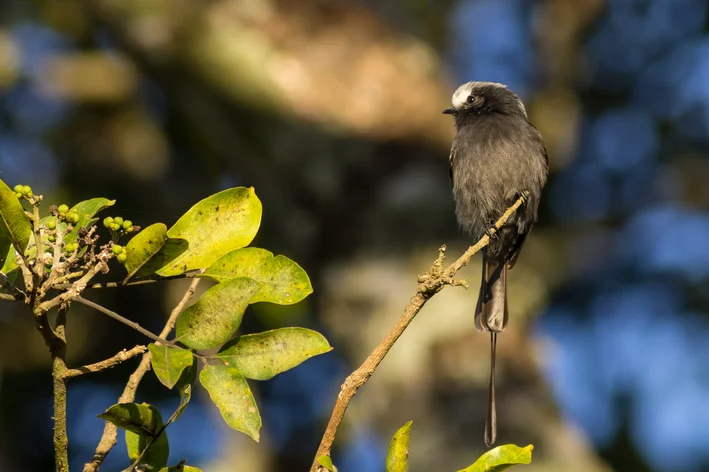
(120, 318)
(108, 439)
(75, 289)
(186, 275)
(429, 284)
(112, 361)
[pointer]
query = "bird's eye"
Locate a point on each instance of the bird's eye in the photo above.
(471, 98)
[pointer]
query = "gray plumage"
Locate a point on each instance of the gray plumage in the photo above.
(497, 155)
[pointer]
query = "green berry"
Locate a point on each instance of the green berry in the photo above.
(52, 224)
(117, 249)
(127, 224)
(18, 188)
(18, 195)
(130, 229)
(118, 220)
(51, 238)
(62, 208)
(122, 257)
(73, 217)
(108, 221)
(115, 226)
(71, 247)
(27, 190)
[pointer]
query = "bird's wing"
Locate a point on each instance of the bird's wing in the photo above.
(516, 251)
(451, 160)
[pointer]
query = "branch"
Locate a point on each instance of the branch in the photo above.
(108, 439)
(185, 275)
(77, 287)
(105, 364)
(429, 284)
(39, 258)
(123, 320)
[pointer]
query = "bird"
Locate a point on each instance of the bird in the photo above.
(497, 156)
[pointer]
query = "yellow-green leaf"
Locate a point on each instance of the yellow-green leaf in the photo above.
(215, 226)
(284, 281)
(141, 418)
(156, 457)
(398, 456)
(169, 363)
(264, 355)
(217, 314)
(501, 458)
(171, 250)
(184, 386)
(326, 461)
(13, 222)
(10, 267)
(181, 468)
(143, 246)
(231, 394)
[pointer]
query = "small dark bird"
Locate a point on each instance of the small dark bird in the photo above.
(497, 157)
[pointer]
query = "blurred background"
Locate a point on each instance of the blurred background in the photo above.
(331, 109)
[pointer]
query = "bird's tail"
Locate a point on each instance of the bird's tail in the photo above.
(491, 315)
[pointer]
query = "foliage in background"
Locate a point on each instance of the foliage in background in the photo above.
(61, 253)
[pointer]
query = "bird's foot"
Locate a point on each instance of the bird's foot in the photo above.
(491, 230)
(524, 195)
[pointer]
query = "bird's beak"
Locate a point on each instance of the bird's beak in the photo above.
(449, 111)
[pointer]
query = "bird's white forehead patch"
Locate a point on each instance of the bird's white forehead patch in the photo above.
(461, 95)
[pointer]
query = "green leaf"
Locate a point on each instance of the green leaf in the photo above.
(229, 391)
(171, 250)
(215, 226)
(326, 462)
(5, 246)
(14, 224)
(264, 355)
(398, 456)
(184, 386)
(169, 362)
(10, 267)
(141, 418)
(284, 281)
(501, 458)
(157, 455)
(217, 314)
(143, 246)
(86, 211)
(180, 468)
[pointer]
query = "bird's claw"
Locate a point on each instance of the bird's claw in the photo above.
(491, 231)
(524, 195)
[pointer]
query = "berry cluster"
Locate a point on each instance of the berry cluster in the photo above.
(63, 212)
(23, 191)
(117, 223)
(120, 253)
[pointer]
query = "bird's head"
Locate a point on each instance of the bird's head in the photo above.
(484, 98)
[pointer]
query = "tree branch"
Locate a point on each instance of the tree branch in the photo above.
(77, 287)
(429, 284)
(120, 318)
(108, 439)
(185, 275)
(105, 364)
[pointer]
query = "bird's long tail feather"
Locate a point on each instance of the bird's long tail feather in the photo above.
(491, 315)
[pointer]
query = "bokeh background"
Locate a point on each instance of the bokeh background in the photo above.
(331, 110)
